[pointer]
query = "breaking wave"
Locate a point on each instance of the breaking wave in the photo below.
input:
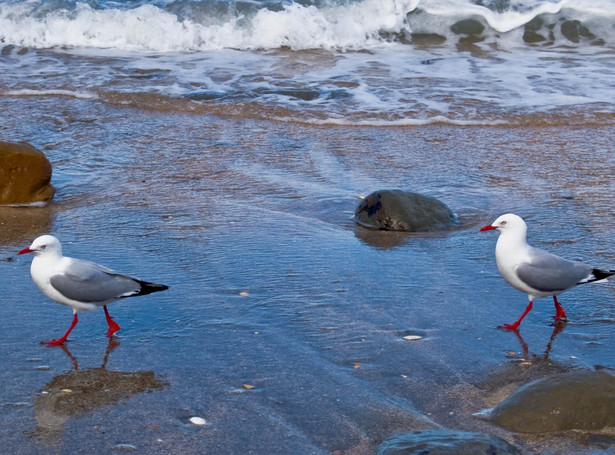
(188, 25)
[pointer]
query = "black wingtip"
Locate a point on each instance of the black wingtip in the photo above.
(148, 288)
(601, 274)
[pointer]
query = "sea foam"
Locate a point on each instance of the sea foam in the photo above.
(185, 26)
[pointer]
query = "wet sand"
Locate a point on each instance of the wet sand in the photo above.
(283, 326)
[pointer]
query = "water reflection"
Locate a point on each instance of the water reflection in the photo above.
(522, 368)
(78, 392)
(387, 240)
(558, 327)
(23, 224)
(381, 240)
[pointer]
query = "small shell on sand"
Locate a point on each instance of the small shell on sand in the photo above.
(412, 337)
(197, 420)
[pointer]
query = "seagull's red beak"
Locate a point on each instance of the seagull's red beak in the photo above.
(488, 228)
(25, 250)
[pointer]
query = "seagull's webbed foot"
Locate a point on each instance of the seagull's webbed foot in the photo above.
(510, 327)
(54, 342)
(60, 341)
(113, 326)
(560, 314)
(514, 327)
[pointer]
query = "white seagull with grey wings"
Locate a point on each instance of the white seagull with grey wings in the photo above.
(79, 284)
(536, 272)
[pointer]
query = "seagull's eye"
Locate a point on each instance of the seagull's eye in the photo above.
(502, 223)
(43, 247)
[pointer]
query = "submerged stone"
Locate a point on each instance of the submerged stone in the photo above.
(396, 210)
(445, 442)
(578, 400)
(534, 25)
(530, 37)
(25, 175)
(467, 27)
(574, 31)
(427, 39)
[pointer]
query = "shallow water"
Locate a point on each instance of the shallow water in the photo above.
(215, 208)
(230, 170)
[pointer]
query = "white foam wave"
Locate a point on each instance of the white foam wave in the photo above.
(143, 28)
(68, 93)
(338, 24)
(342, 26)
(502, 22)
(435, 120)
(149, 28)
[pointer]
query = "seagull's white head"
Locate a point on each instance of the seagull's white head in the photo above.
(507, 223)
(45, 244)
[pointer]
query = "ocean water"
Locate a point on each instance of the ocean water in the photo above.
(222, 147)
(372, 62)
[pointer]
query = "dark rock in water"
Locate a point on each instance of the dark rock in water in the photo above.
(396, 210)
(427, 39)
(530, 37)
(574, 30)
(536, 31)
(467, 27)
(445, 442)
(25, 175)
(470, 40)
(534, 25)
(581, 400)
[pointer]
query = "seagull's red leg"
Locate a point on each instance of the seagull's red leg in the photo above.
(559, 311)
(515, 326)
(113, 326)
(62, 340)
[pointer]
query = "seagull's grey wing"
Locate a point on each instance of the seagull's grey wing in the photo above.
(549, 273)
(86, 281)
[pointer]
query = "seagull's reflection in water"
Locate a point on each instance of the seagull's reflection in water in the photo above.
(78, 392)
(521, 368)
(558, 327)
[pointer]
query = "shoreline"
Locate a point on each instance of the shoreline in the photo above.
(220, 208)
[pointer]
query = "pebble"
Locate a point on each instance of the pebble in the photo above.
(198, 420)
(125, 447)
(412, 337)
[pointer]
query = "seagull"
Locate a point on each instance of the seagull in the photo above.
(79, 284)
(536, 272)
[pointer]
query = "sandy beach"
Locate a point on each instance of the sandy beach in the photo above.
(284, 322)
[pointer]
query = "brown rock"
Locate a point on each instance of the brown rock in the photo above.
(578, 400)
(25, 175)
